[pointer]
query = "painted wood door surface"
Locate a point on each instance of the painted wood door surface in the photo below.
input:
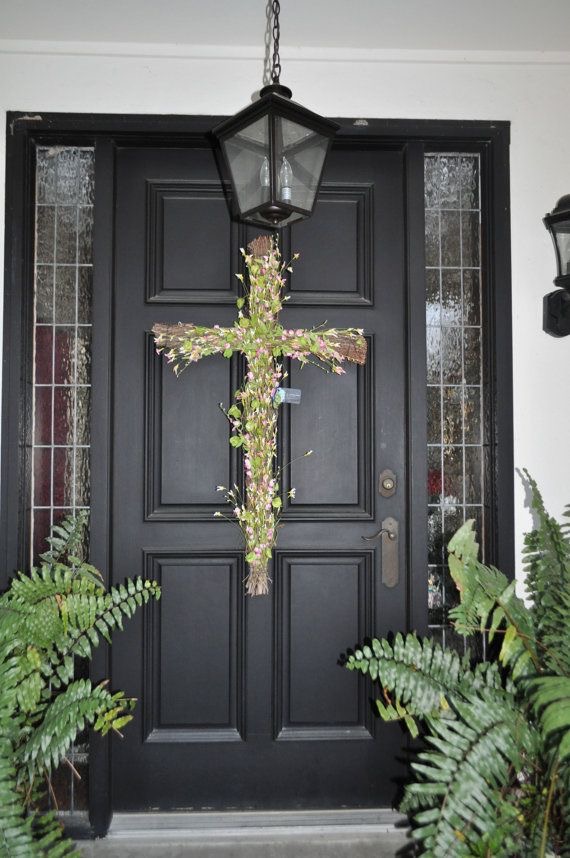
(242, 702)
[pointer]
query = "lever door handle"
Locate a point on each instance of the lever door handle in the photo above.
(389, 533)
(389, 551)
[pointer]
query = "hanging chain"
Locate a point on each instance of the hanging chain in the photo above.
(276, 70)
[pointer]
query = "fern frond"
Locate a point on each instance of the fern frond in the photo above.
(561, 814)
(15, 832)
(48, 581)
(547, 566)
(550, 696)
(472, 758)
(80, 705)
(100, 616)
(424, 678)
(66, 538)
(50, 837)
(489, 603)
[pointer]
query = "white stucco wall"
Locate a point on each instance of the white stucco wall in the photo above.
(529, 89)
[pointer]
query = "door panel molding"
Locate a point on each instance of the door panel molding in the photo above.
(295, 720)
(363, 434)
(213, 651)
(169, 211)
(161, 473)
(309, 288)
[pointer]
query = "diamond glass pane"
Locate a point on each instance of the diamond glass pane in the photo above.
(455, 395)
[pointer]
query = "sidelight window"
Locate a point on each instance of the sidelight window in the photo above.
(63, 275)
(61, 409)
(455, 389)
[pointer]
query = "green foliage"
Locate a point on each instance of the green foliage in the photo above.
(48, 617)
(492, 774)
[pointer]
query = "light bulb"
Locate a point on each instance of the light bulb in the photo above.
(264, 178)
(286, 180)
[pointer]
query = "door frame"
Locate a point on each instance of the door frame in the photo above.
(107, 131)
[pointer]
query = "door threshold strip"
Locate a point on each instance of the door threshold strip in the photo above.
(258, 824)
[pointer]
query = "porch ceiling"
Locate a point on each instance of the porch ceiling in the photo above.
(511, 25)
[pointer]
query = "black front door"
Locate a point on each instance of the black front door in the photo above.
(242, 703)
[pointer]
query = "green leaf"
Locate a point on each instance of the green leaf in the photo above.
(236, 440)
(227, 353)
(276, 503)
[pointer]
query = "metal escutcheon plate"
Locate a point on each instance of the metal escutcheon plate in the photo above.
(390, 554)
(387, 483)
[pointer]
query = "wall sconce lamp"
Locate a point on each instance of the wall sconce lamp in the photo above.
(275, 152)
(556, 306)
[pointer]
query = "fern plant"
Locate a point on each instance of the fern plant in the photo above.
(56, 612)
(492, 776)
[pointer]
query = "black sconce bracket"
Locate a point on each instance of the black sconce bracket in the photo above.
(556, 313)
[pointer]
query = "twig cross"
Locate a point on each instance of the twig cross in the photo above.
(259, 336)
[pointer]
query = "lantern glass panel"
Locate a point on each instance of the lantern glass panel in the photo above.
(561, 235)
(300, 159)
(247, 154)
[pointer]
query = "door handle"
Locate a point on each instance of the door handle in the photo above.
(389, 551)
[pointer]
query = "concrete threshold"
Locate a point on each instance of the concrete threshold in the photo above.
(288, 834)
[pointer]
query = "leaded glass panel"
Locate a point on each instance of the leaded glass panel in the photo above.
(456, 488)
(60, 436)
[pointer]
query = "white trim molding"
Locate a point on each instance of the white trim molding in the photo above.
(166, 51)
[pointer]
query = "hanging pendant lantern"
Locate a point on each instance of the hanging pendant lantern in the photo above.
(275, 151)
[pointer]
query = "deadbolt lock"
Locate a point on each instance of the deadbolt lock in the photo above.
(388, 483)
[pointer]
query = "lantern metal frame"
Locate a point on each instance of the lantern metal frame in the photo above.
(275, 103)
